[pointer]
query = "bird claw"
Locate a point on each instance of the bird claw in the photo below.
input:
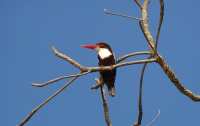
(95, 86)
(98, 84)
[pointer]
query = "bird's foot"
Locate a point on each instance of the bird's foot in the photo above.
(99, 83)
(95, 86)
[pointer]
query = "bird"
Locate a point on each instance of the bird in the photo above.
(106, 58)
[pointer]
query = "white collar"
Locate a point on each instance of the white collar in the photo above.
(104, 53)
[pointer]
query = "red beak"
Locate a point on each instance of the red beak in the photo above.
(89, 46)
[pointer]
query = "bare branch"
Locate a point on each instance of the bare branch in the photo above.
(140, 108)
(35, 110)
(104, 68)
(111, 12)
(155, 57)
(171, 75)
(160, 21)
(67, 58)
(105, 104)
(154, 119)
(105, 107)
(84, 70)
(144, 25)
(120, 59)
(138, 3)
(58, 79)
(95, 69)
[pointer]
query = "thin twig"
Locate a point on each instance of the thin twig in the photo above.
(35, 110)
(138, 3)
(108, 121)
(140, 108)
(67, 58)
(104, 68)
(120, 59)
(111, 12)
(154, 119)
(105, 107)
(58, 79)
(160, 21)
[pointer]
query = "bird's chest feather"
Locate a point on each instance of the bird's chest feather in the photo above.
(104, 53)
(108, 76)
(106, 60)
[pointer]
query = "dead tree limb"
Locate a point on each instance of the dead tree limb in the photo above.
(138, 3)
(111, 12)
(58, 79)
(171, 75)
(161, 16)
(105, 107)
(144, 25)
(155, 57)
(140, 107)
(35, 110)
(154, 119)
(83, 71)
(105, 103)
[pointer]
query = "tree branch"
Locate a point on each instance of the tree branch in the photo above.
(155, 57)
(154, 119)
(58, 79)
(140, 108)
(83, 71)
(138, 3)
(160, 21)
(68, 59)
(111, 12)
(105, 104)
(171, 75)
(144, 25)
(104, 68)
(120, 59)
(35, 110)
(105, 107)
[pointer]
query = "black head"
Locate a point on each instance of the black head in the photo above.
(104, 45)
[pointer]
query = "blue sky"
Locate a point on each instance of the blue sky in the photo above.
(30, 27)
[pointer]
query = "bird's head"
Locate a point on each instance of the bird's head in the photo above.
(102, 49)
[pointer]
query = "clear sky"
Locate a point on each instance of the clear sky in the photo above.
(29, 27)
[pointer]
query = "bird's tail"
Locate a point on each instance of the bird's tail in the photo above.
(111, 91)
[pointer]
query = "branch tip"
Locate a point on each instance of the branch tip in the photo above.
(154, 119)
(138, 3)
(36, 85)
(112, 12)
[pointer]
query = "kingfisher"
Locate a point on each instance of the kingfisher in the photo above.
(106, 58)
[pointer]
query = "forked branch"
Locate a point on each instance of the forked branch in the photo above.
(35, 110)
(140, 107)
(144, 25)
(83, 71)
(153, 53)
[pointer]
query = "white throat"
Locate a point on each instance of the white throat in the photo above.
(104, 53)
